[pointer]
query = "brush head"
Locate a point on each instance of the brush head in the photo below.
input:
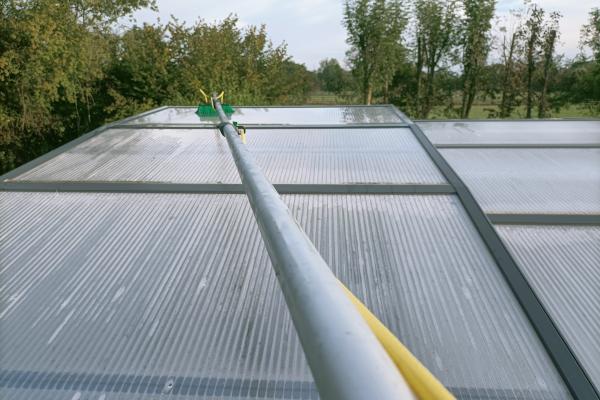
(206, 110)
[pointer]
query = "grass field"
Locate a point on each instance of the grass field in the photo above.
(479, 111)
(482, 111)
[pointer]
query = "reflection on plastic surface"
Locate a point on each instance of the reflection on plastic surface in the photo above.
(512, 132)
(279, 115)
(320, 156)
(530, 180)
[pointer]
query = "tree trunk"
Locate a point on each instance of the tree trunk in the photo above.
(369, 94)
(470, 97)
(547, 65)
(505, 104)
(386, 93)
(430, 92)
(463, 107)
(530, 71)
(419, 70)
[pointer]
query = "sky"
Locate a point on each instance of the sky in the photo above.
(313, 30)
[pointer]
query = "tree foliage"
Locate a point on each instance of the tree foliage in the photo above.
(374, 35)
(475, 46)
(436, 34)
(64, 70)
(332, 77)
(590, 34)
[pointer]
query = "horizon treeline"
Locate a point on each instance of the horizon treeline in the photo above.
(450, 54)
(69, 66)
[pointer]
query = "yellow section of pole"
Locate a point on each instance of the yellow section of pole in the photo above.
(422, 382)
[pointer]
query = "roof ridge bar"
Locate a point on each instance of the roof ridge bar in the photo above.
(208, 125)
(565, 361)
(517, 145)
(346, 359)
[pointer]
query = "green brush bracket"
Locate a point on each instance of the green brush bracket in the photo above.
(206, 110)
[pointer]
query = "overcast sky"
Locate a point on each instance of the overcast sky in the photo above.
(313, 29)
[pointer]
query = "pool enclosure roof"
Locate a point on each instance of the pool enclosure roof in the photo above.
(132, 267)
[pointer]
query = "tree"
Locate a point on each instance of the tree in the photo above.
(584, 84)
(65, 70)
(550, 36)
(533, 33)
(590, 34)
(331, 75)
(436, 31)
(475, 47)
(139, 76)
(512, 50)
(374, 34)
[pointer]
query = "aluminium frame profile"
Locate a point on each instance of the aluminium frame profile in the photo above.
(233, 188)
(568, 366)
(346, 359)
(207, 125)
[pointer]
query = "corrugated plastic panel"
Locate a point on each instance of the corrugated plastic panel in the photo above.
(286, 156)
(516, 132)
(563, 265)
(279, 115)
(173, 294)
(150, 155)
(133, 296)
(531, 180)
(387, 155)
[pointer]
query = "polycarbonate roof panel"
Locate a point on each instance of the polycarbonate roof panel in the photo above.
(149, 155)
(384, 155)
(137, 295)
(279, 115)
(512, 132)
(319, 156)
(563, 265)
(530, 180)
(173, 295)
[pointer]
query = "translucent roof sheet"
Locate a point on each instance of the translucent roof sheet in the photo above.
(563, 264)
(148, 155)
(279, 115)
(531, 180)
(512, 132)
(173, 294)
(115, 285)
(386, 155)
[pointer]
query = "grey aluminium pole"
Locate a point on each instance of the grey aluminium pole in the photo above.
(345, 357)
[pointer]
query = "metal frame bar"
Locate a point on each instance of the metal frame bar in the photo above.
(264, 126)
(567, 364)
(161, 187)
(200, 386)
(346, 359)
(544, 219)
(517, 145)
(69, 145)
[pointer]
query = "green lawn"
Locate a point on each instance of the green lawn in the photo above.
(479, 111)
(482, 111)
